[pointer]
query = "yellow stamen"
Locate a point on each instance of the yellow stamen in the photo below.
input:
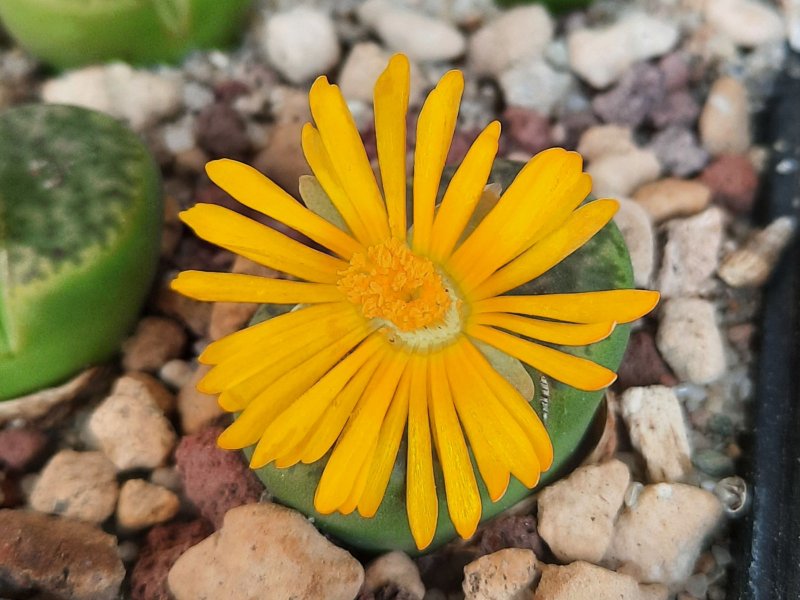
(392, 283)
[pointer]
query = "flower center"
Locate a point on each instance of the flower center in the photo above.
(392, 283)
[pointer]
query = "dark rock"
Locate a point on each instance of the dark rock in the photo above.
(678, 151)
(229, 90)
(568, 130)
(677, 108)
(510, 531)
(529, 129)
(10, 495)
(60, 557)
(221, 132)
(21, 449)
(733, 181)
(676, 71)
(631, 100)
(215, 480)
(642, 364)
(162, 547)
(388, 592)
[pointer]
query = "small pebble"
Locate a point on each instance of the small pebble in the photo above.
(713, 463)
(669, 198)
(516, 35)
(155, 341)
(422, 38)
(80, 485)
(733, 181)
(752, 264)
(601, 56)
(748, 23)
(301, 43)
(725, 120)
(678, 150)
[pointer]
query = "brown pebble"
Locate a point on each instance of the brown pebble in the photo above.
(221, 132)
(21, 449)
(155, 341)
(163, 546)
(733, 181)
(643, 365)
(528, 129)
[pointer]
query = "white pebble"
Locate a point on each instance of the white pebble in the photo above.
(422, 38)
(518, 35)
(601, 56)
(747, 23)
(535, 84)
(301, 43)
(690, 341)
(140, 97)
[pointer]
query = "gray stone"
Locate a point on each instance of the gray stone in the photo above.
(657, 429)
(577, 514)
(507, 574)
(690, 341)
(517, 35)
(81, 485)
(301, 43)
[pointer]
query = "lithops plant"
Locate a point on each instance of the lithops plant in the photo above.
(568, 413)
(444, 356)
(80, 226)
(70, 33)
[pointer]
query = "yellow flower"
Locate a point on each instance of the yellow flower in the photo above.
(386, 337)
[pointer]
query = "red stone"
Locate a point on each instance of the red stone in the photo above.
(20, 449)
(162, 547)
(215, 480)
(733, 181)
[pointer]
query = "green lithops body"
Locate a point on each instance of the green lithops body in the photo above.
(70, 33)
(80, 221)
(568, 413)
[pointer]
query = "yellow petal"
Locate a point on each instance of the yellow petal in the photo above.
(391, 104)
(551, 181)
(360, 432)
(622, 306)
(253, 189)
(564, 334)
(435, 127)
(347, 155)
(239, 287)
(266, 354)
(506, 440)
(579, 228)
(575, 371)
(514, 403)
(422, 505)
(250, 425)
(360, 482)
(383, 459)
(494, 470)
(292, 425)
(463, 499)
(463, 192)
(320, 163)
(253, 337)
(333, 421)
(261, 244)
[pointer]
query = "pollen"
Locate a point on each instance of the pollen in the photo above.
(390, 282)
